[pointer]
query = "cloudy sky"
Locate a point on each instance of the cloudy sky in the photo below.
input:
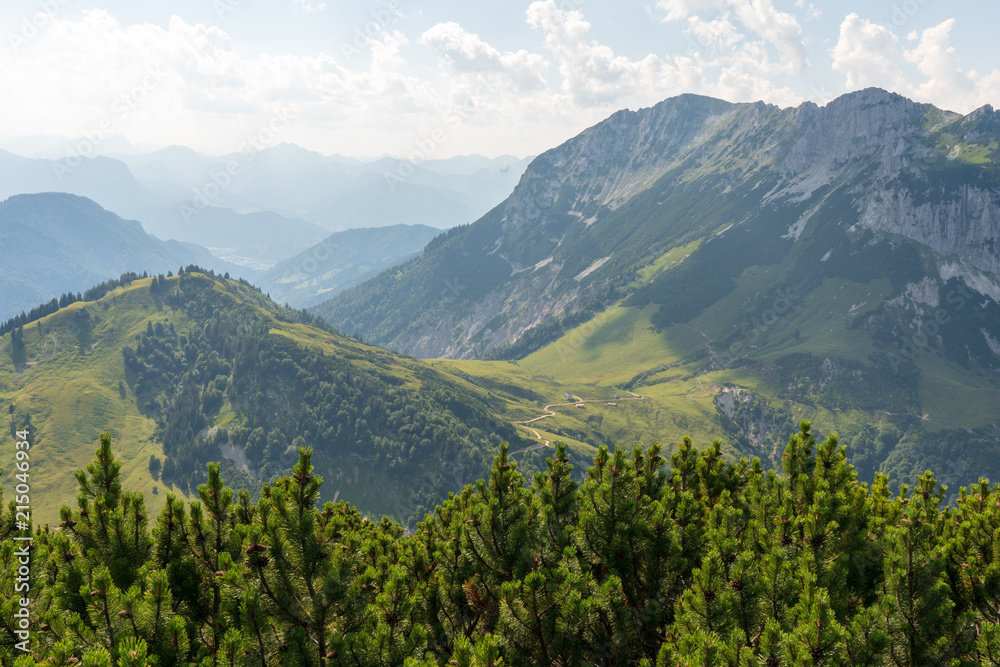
(373, 77)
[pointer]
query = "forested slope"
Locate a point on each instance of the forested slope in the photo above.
(195, 368)
(704, 563)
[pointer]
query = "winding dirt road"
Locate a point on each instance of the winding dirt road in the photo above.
(543, 443)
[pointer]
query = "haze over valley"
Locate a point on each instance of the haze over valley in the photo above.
(449, 334)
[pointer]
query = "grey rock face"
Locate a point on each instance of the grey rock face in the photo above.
(899, 163)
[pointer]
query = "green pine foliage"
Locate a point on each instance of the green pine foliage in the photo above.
(701, 562)
(274, 395)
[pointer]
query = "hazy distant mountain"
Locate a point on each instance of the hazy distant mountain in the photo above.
(343, 260)
(255, 239)
(55, 147)
(336, 192)
(56, 243)
(256, 208)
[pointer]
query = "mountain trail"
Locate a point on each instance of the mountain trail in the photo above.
(549, 413)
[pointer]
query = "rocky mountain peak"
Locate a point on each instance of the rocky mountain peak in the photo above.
(588, 216)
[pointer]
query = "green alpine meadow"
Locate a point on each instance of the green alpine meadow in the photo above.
(546, 333)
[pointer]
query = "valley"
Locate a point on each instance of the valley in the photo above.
(555, 333)
(741, 271)
(734, 315)
(180, 367)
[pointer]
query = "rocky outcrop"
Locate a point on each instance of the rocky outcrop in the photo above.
(966, 224)
(876, 149)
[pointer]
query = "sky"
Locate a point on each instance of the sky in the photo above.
(440, 78)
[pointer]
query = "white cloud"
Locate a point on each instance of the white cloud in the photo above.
(867, 54)
(678, 10)
(210, 93)
(465, 51)
(207, 93)
(719, 33)
(309, 7)
(937, 60)
(812, 11)
(781, 29)
(592, 74)
(720, 63)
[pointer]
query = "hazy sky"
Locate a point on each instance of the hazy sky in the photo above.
(370, 77)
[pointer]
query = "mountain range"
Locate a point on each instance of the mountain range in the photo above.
(55, 243)
(342, 260)
(255, 207)
(194, 368)
(839, 262)
(589, 215)
(696, 268)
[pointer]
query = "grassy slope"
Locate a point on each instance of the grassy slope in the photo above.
(668, 368)
(68, 382)
(69, 386)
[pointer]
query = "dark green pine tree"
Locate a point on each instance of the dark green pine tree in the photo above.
(556, 494)
(109, 526)
(210, 542)
(454, 603)
(101, 572)
(694, 476)
(920, 615)
(720, 612)
(543, 617)
(988, 645)
(972, 545)
(624, 544)
(816, 637)
(303, 571)
(500, 535)
(837, 531)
